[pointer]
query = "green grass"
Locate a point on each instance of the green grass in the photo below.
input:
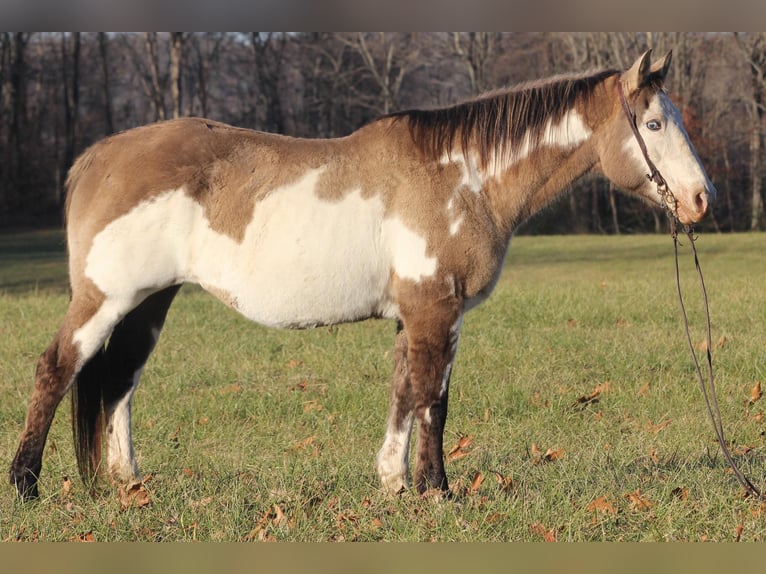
(247, 433)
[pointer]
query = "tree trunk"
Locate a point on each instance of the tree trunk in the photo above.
(176, 60)
(157, 91)
(756, 199)
(70, 72)
(105, 89)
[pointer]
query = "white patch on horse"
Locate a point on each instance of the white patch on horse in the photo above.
(408, 251)
(570, 131)
(471, 176)
(303, 261)
(392, 458)
(454, 334)
(456, 221)
(94, 332)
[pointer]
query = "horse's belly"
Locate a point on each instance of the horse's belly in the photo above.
(302, 261)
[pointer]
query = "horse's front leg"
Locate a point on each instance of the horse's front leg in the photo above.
(432, 335)
(392, 465)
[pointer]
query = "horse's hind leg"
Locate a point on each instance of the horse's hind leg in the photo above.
(88, 322)
(129, 347)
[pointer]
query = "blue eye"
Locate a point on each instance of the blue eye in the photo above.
(653, 125)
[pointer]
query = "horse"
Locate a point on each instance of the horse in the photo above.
(408, 218)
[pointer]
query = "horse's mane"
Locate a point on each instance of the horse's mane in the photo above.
(498, 120)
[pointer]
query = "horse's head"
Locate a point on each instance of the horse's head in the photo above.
(668, 146)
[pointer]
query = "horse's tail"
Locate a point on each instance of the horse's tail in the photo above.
(88, 416)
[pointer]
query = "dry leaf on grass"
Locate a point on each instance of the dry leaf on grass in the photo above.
(655, 428)
(550, 455)
(602, 505)
(134, 495)
(638, 501)
(460, 449)
(84, 537)
(547, 534)
(594, 396)
(478, 478)
(680, 492)
(506, 483)
(738, 532)
(755, 392)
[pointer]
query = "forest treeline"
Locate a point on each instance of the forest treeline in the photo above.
(60, 92)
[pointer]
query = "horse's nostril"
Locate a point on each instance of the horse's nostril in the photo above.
(700, 202)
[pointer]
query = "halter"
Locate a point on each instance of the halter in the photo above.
(668, 199)
(671, 206)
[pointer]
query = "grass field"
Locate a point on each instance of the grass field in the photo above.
(574, 414)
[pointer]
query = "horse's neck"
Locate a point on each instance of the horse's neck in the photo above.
(533, 178)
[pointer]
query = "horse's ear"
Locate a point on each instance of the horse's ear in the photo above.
(638, 74)
(660, 67)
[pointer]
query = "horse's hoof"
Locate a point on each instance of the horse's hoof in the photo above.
(26, 485)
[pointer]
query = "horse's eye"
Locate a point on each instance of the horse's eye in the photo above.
(653, 125)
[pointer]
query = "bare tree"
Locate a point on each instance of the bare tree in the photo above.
(268, 60)
(103, 50)
(387, 58)
(753, 48)
(177, 40)
(70, 72)
(158, 80)
(476, 50)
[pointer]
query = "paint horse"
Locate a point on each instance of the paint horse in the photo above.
(409, 218)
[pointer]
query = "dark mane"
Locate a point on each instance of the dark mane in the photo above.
(498, 120)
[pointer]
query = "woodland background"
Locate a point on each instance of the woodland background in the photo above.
(60, 92)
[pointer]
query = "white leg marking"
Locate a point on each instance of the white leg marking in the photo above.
(121, 460)
(392, 461)
(454, 337)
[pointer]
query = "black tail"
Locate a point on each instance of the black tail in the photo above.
(88, 416)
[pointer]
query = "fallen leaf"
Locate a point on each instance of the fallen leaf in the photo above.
(741, 450)
(459, 450)
(655, 428)
(299, 386)
(738, 532)
(535, 452)
(312, 405)
(755, 392)
(233, 388)
(572, 323)
(594, 396)
(547, 534)
(537, 400)
(702, 346)
(644, 389)
(603, 505)
(552, 455)
(506, 483)
(638, 501)
(292, 363)
(66, 486)
(188, 472)
(680, 492)
(478, 478)
(623, 323)
(134, 495)
(85, 537)
(722, 341)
